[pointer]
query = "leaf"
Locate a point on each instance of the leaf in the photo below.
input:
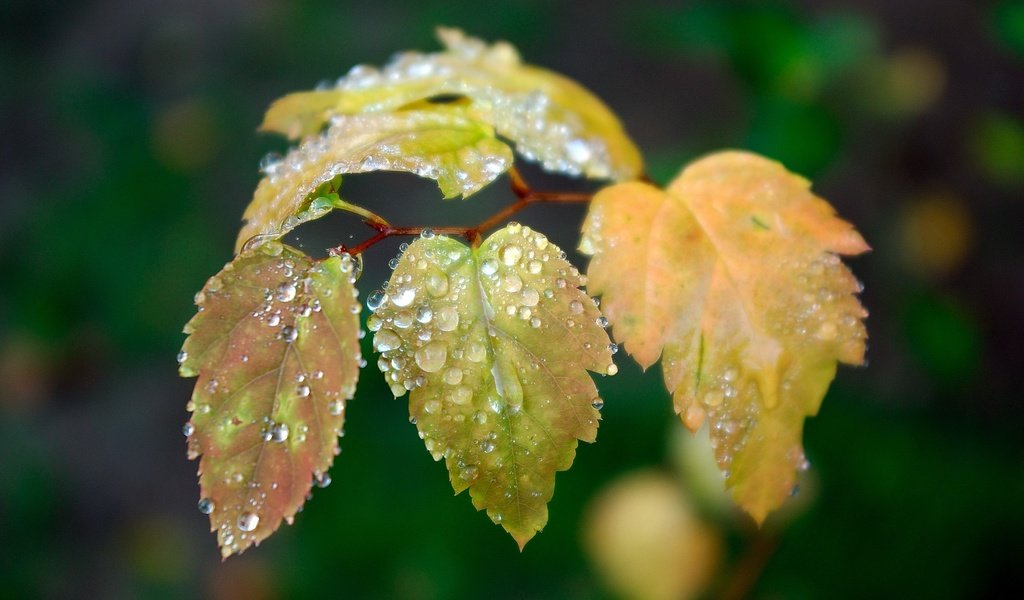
(550, 118)
(494, 344)
(445, 144)
(732, 276)
(275, 346)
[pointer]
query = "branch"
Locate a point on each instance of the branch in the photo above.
(525, 196)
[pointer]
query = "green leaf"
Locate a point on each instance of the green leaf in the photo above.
(732, 275)
(275, 347)
(445, 143)
(550, 118)
(494, 344)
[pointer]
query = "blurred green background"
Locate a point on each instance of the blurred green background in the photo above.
(128, 151)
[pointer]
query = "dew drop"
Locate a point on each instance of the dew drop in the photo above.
(374, 300)
(424, 314)
(206, 506)
(535, 267)
(576, 307)
(512, 283)
(476, 352)
(432, 356)
(447, 318)
(427, 233)
(385, 340)
(182, 357)
(453, 376)
(286, 292)
(597, 403)
(437, 284)
(248, 521)
(289, 334)
(601, 321)
(489, 267)
(403, 296)
(279, 432)
(510, 254)
(322, 480)
(612, 369)
(302, 391)
(188, 429)
(530, 296)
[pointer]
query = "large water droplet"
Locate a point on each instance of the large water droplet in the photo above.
(374, 300)
(432, 356)
(447, 318)
(489, 267)
(286, 292)
(510, 254)
(248, 521)
(453, 376)
(289, 334)
(279, 432)
(437, 284)
(385, 340)
(206, 506)
(424, 314)
(403, 296)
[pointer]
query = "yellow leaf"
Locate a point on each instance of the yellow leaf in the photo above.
(495, 344)
(550, 118)
(446, 144)
(732, 276)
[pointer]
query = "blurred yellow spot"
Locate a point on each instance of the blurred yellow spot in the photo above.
(645, 541)
(185, 136)
(904, 84)
(937, 234)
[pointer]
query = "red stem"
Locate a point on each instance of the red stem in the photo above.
(525, 196)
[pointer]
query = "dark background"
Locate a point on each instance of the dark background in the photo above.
(128, 151)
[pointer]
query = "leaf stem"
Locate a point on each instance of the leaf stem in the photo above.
(525, 196)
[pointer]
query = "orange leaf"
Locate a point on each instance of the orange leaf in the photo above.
(731, 275)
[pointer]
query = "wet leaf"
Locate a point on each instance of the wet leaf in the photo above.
(494, 344)
(550, 118)
(276, 351)
(732, 275)
(446, 144)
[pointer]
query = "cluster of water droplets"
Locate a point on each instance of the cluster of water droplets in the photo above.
(291, 302)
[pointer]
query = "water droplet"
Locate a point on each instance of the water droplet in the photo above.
(476, 352)
(576, 307)
(437, 284)
(289, 334)
(512, 283)
(427, 233)
(206, 506)
(612, 369)
(403, 296)
(385, 340)
(286, 292)
(182, 357)
(279, 432)
(432, 356)
(597, 403)
(322, 480)
(393, 263)
(453, 376)
(530, 296)
(335, 407)
(535, 322)
(302, 391)
(510, 254)
(489, 267)
(447, 318)
(374, 300)
(535, 267)
(601, 321)
(248, 521)
(424, 314)
(613, 348)
(403, 319)
(188, 429)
